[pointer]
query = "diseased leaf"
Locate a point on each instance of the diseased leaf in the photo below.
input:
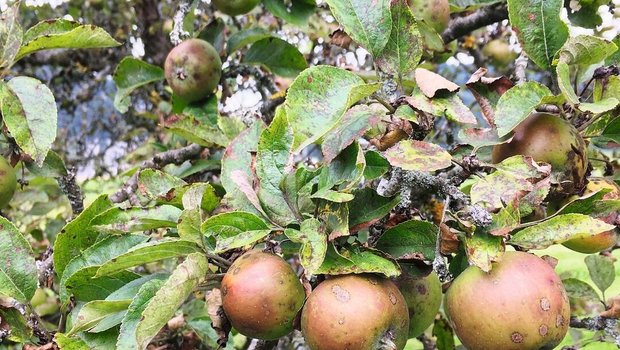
(346, 170)
(357, 260)
(78, 234)
(10, 35)
(479, 137)
(69, 343)
(95, 311)
(146, 253)
(368, 207)
(418, 156)
(234, 229)
(64, 34)
(559, 229)
(313, 244)
(369, 23)
(412, 239)
(580, 292)
(118, 221)
(317, 100)
(127, 335)
(602, 271)
(169, 297)
(539, 28)
(131, 74)
(18, 271)
(404, 48)
(355, 122)
(431, 83)
(280, 57)
(29, 113)
(516, 105)
(482, 249)
(586, 50)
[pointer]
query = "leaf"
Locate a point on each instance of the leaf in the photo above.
(193, 129)
(612, 131)
(96, 255)
(18, 271)
(280, 57)
(235, 229)
(368, 207)
(539, 28)
(357, 260)
(487, 92)
(313, 244)
(602, 271)
(69, 343)
(53, 166)
(94, 311)
(369, 23)
(317, 100)
(29, 112)
(18, 328)
(444, 334)
(189, 226)
(78, 234)
(411, 239)
(274, 159)
(587, 16)
(586, 50)
(580, 291)
(479, 137)
(82, 286)
(146, 253)
(432, 83)
(238, 158)
(296, 12)
(127, 335)
(171, 295)
(246, 37)
(154, 183)
(119, 221)
(559, 229)
(335, 217)
(131, 74)
(517, 103)
(376, 165)
(404, 48)
(10, 35)
(64, 34)
(418, 156)
(346, 170)
(297, 188)
(482, 249)
(355, 122)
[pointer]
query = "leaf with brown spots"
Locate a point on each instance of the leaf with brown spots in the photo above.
(313, 244)
(418, 156)
(482, 249)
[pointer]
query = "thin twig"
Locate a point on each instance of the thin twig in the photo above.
(464, 25)
(439, 263)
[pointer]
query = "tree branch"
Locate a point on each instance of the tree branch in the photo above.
(483, 17)
(607, 325)
(71, 189)
(176, 156)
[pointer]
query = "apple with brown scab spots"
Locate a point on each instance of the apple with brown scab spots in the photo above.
(262, 295)
(8, 182)
(520, 304)
(355, 312)
(436, 13)
(423, 296)
(193, 70)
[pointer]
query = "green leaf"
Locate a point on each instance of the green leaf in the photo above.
(479, 137)
(29, 112)
(127, 335)
(482, 249)
(95, 311)
(297, 188)
(313, 244)
(189, 226)
(587, 16)
(131, 74)
(376, 165)
(539, 28)
(586, 50)
(196, 128)
(10, 35)
(172, 294)
(404, 48)
(354, 259)
(78, 234)
(368, 207)
(83, 286)
(444, 334)
(235, 229)
(612, 131)
(317, 100)
(20, 330)
(18, 271)
(463, 5)
(411, 239)
(559, 229)
(517, 103)
(238, 159)
(346, 170)
(296, 12)
(64, 34)
(94, 256)
(146, 253)
(602, 271)
(418, 156)
(369, 23)
(53, 166)
(246, 37)
(119, 221)
(580, 292)
(335, 217)
(154, 183)
(355, 122)
(69, 343)
(274, 160)
(280, 57)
